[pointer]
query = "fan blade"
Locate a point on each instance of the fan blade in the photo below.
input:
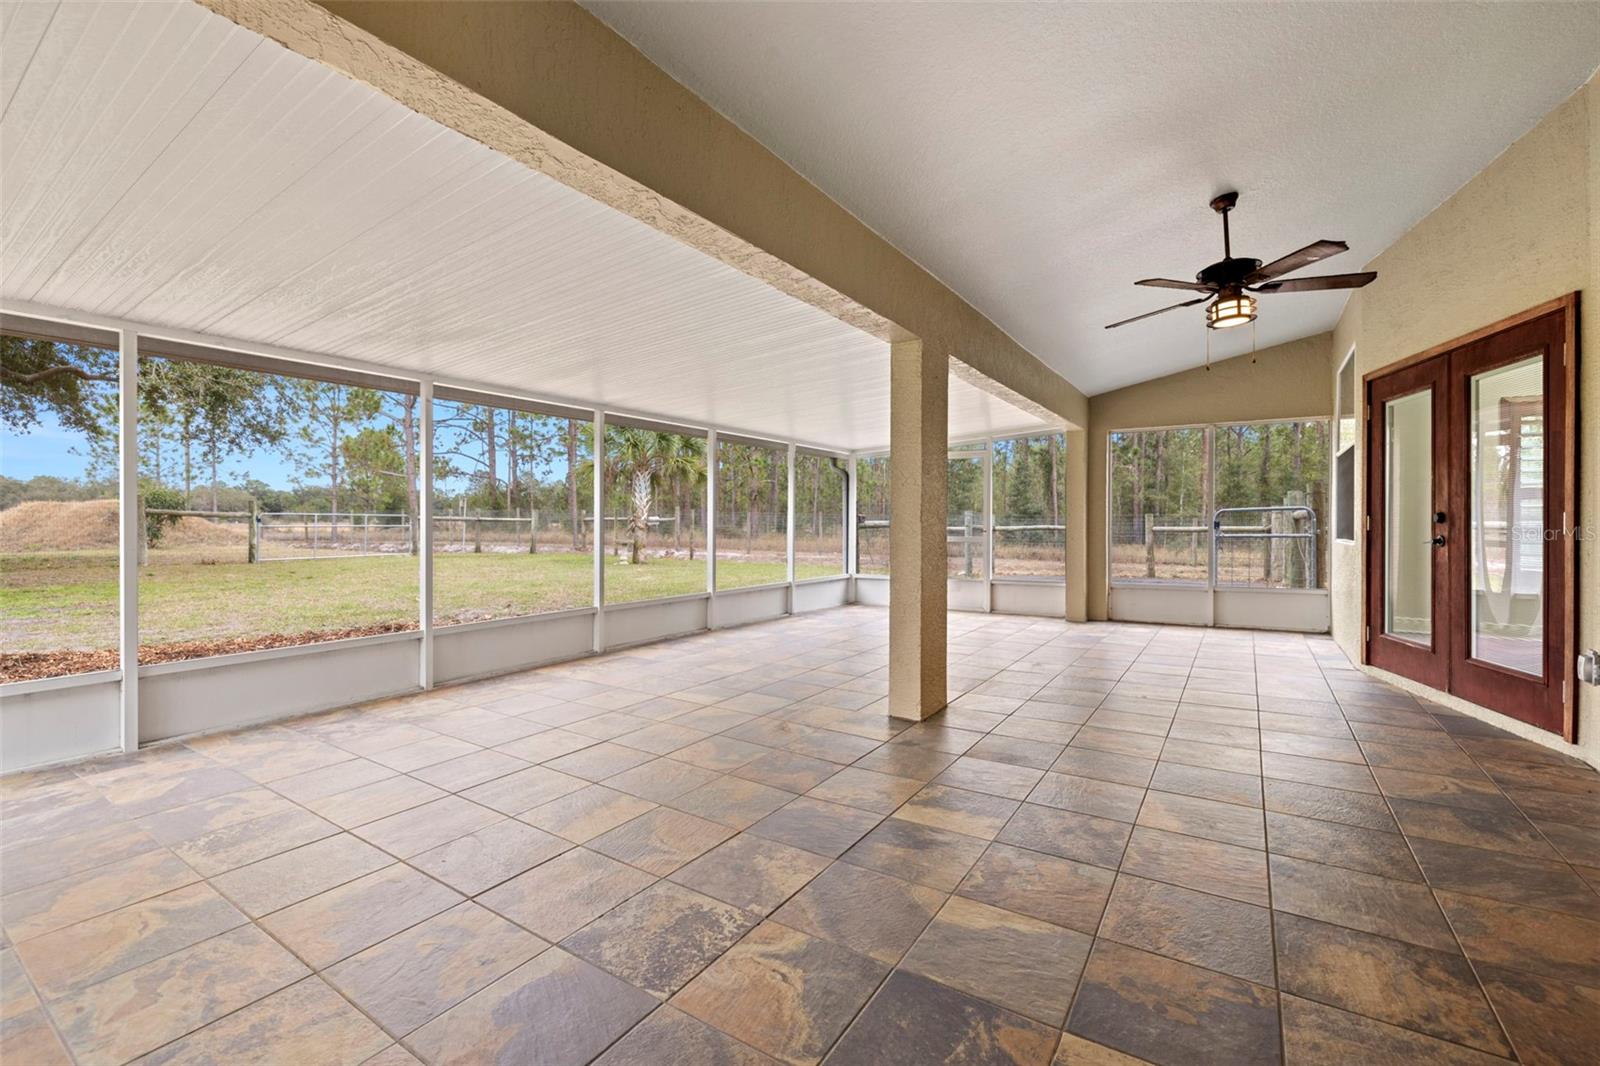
(1318, 284)
(1311, 253)
(1164, 310)
(1169, 283)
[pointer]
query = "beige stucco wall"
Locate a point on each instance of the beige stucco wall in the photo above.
(1522, 232)
(1285, 381)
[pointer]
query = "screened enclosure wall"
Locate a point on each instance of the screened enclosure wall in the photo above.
(58, 508)
(279, 510)
(512, 512)
(752, 514)
(1259, 490)
(872, 514)
(1030, 490)
(654, 517)
(821, 496)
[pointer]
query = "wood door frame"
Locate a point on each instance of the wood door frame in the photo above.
(1566, 420)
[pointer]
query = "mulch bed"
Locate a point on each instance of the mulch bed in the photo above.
(29, 665)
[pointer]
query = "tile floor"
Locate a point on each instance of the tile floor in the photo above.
(1119, 843)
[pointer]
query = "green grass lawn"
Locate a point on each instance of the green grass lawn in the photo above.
(61, 600)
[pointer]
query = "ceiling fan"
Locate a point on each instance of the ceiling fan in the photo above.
(1229, 282)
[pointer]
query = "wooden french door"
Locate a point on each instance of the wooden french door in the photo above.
(1471, 507)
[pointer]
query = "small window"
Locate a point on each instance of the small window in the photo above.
(1344, 463)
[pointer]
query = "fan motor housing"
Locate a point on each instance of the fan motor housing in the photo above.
(1228, 272)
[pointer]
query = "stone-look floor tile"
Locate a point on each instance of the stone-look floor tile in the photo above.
(247, 842)
(1367, 850)
(1134, 770)
(27, 1037)
(1399, 909)
(752, 873)
(660, 938)
(161, 789)
(868, 912)
(542, 747)
(1507, 877)
(1212, 756)
(1317, 1035)
(599, 761)
(991, 778)
(721, 754)
(1221, 785)
(478, 861)
(1103, 799)
(660, 780)
(561, 896)
(583, 815)
(141, 1009)
(523, 790)
(369, 803)
(914, 1019)
(662, 738)
(732, 801)
(1119, 741)
(1076, 1051)
(1338, 750)
(58, 904)
(37, 862)
(291, 876)
(1323, 772)
(1359, 809)
(959, 810)
(934, 857)
(331, 780)
(411, 978)
(661, 840)
(1203, 865)
(788, 771)
(671, 1036)
(1067, 834)
(1020, 963)
(1547, 943)
(1579, 845)
(867, 789)
(93, 950)
(782, 992)
(1228, 823)
(393, 1055)
(426, 827)
(344, 920)
(1019, 751)
(1478, 829)
(1171, 1012)
(816, 826)
(210, 815)
(306, 1022)
(1551, 1023)
(421, 753)
(1448, 762)
(1060, 891)
(1195, 927)
(554, 1009)
(1478, 794)
(1418, 988)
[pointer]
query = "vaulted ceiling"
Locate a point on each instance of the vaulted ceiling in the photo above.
(1039, 158)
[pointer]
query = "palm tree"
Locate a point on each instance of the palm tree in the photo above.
(642, 460)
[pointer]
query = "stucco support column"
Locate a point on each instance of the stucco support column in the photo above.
(1076, 518)
(919, 445)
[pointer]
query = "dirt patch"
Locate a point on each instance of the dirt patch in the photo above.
(30, 665)
(80, 525)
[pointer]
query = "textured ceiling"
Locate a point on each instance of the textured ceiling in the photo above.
(160, 164)
(1039, 158)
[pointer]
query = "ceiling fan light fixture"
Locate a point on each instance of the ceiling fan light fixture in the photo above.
(1226, 312)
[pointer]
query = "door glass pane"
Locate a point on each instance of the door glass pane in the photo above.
(1507, 516)
(966, 538)
(1408, 518)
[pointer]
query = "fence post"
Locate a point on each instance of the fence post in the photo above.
(477, 535)
(253, 551)
(533, 532)
(1149, 546)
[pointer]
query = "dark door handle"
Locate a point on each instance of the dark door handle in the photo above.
(1438, 518)
(1438, 542)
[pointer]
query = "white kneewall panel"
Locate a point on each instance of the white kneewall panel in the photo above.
(1178, 605)
(47, 723)
(873, 590)
(1297, 611)
(820, 594)
(207, 695)
(1044, 599)
(482, 649)
(738, 607)
(640, 623)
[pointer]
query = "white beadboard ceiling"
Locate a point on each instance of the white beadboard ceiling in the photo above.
(1041, 157)
(162, 165)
